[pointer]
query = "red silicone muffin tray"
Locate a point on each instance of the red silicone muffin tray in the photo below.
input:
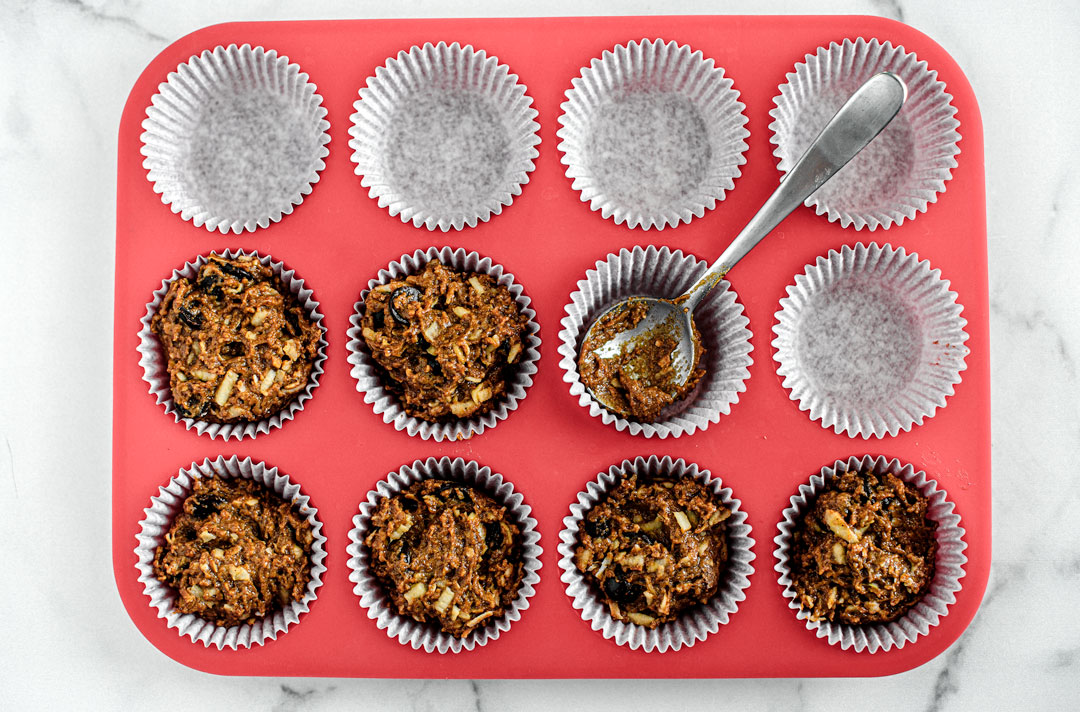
(337, 448)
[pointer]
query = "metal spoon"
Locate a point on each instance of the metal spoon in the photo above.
(859, 120)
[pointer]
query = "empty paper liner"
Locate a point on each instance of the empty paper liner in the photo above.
(235, 138)
(653, 134)
(870, 340)
(902, 170)
(444, 136)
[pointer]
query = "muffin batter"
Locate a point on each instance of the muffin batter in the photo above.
(864, 552)
(446, 553)
(654, 547)
(239, 347)
(638, 382)
(236, 553)
(447, 340)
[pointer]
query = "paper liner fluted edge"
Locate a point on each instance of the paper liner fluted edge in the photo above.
(153, 362)
(159, 517)
(927, 101)
(944, 340)
(693, 624)
(369, 381)
(369, 590)
(696, 77)
(187, 84)
(948, 563)
(414, 70)
(720, 319)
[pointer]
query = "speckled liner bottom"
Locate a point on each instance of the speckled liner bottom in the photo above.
(159, 517)
(369, 380)
(870, 340)
(153, 361)
(235, 138)
(444, 136)
(720, 319)
(902, 170)
(693, 624)
(373, 598)
(948, 569)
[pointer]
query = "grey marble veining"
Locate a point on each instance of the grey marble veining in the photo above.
(66, 67)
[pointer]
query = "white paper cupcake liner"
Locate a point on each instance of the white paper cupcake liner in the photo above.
(369, 378)
(653, 134)
(235, 138)
(154, 364)
(948, 563)
(159, 517)
(720, 319)
(693, 624)
(902, 170)
(444, 136)
(373, 598)
(870, 340)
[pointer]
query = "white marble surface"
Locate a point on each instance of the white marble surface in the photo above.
(66, 67)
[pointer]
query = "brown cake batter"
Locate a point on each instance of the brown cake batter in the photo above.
(654, 547)
(864, 552)
(239, 346)
(446, 340)
(236, 553)
(446, 553)
(638, 382)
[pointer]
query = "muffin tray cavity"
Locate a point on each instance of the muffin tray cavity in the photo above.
(351, 210)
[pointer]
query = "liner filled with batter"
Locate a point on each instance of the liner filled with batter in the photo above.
(863, 552)
(724, 356)
(447, 351)
(230, 553)
(444, 555)
(447, 554)
(870, 553)
(653, 566)
(447, 340)
(654, 547)
(232, 344)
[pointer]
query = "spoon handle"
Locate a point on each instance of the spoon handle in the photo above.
(860, 119)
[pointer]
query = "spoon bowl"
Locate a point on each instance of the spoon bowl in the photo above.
(660, 320)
